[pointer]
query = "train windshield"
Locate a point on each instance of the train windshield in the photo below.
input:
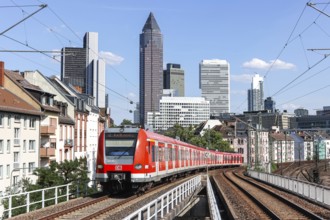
(119, 147)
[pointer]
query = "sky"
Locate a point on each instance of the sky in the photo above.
(286, 42)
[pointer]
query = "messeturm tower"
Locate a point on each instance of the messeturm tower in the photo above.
(151, 68)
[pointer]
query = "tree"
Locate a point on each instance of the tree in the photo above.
(210, 137)
(126, 122)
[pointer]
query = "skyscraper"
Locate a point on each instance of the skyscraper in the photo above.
(214, 78)
(269, 104)
(174, 78)
(73, 67)
(256, 94)
(151, 68)
(82, 68)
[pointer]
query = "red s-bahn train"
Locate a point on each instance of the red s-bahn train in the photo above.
(135, 158)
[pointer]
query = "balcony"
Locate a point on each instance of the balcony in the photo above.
(47, 130)
(68, 143)
(47, 152)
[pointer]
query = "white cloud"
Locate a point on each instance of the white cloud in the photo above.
(131, 94)
(256, 63)
(111, 58)
(243, 78)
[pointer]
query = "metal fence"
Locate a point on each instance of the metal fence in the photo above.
(312, 191)
(15, 204)
(214, 210)
(161, 206)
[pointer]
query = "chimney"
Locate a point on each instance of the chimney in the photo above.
(2, 74)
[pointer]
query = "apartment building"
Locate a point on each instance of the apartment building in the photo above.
(20, 135)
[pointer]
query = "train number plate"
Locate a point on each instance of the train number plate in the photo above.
(118, 167)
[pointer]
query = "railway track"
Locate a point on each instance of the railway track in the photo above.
(274, 205)
(246, 198)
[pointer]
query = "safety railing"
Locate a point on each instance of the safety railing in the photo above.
(213, 206)
(312, 191)
(161, 206)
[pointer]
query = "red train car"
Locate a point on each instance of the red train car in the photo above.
(134, 158)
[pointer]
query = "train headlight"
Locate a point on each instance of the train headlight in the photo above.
(138, 166)
(100, 166)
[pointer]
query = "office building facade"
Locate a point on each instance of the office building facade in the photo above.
(256, 94)
(151, 68)
(174, 78)
(82, 68)
(214, 82)
(184, 111)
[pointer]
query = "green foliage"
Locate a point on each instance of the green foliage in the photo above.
(273, 167)
(126, 122)
(211, 138)
(75, 172)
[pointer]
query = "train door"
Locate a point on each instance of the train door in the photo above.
(166, 152)
(179, 158)
(170, 157)
(156, 153)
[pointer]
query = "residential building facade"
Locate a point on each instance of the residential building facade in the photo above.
(20, 134)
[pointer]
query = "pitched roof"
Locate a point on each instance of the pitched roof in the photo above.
(151, 23)
(9, 102)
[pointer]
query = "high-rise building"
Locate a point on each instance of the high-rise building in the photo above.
(256, 94)
(269, 104)
(151, 68)
(82, 68)
(73, 67)
(214, 82)
(174, 78)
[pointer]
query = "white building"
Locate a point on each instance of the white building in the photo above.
(185, 111)
(214, 82)
(256, 94)
(282, 148)
(20, 135)
(95, 69)
(259, 149)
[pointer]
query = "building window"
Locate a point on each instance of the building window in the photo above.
(43, 100)
(8, 146)
(32, 145)
(1, 146)
(31, 167)
(1, 120)
(17, 118)
(16, 155)
(9, 121)
(15, 180)
(24, 146)
(24, 168)
(32, 123)
(16, 136)
(51, 101)
(25, 122)
(8, 171)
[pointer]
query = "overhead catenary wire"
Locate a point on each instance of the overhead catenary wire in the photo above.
(52, 57)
